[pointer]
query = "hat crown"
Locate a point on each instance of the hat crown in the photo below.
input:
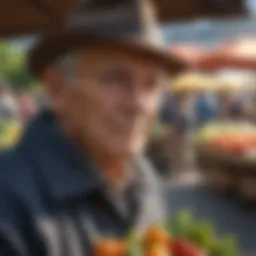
(128, 25)
(119, 18)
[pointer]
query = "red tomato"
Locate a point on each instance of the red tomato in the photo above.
(181, 247)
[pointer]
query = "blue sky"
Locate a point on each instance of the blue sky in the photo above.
(252, 5)
(211, 33)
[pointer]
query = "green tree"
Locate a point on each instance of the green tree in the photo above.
(13, 66)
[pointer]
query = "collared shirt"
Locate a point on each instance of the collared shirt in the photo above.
(53, 201)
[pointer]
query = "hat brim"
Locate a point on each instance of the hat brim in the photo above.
(53, 46)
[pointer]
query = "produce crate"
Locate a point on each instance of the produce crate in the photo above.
(228, 172)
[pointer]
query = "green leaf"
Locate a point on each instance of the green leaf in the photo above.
(135, 247)
(203, 234)
(13, 66)
(181, 224)
(225, 247)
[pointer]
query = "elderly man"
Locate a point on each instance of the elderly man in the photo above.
(78, 174)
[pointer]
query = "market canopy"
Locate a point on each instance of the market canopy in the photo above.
(238, 54)
(224, 81)
(191, 54)
(21, 17)
(191, 82)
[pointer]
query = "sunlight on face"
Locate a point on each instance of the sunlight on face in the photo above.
(113, 101)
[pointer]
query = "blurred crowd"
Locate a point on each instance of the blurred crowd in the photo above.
(186, 111)
(18, 105)
(183, 114)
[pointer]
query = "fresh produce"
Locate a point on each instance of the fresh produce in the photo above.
(156, 235)
(182, 247)
(236, 138)
(203, 235)
(181, 235)
(110, 247)
(157, 250)
(225, 247)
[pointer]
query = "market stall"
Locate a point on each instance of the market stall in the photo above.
(226, 153)
(238, 54)
(226, 150)
(226, 147)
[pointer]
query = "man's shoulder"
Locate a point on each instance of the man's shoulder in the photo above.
(16, 195)
(12, 166)
(10, 171)
(17, 182)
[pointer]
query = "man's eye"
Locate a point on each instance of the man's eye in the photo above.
(115, 77)
(153, 83)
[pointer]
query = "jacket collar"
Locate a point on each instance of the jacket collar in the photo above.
(65, 169)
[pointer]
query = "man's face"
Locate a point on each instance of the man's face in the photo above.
(112, 101)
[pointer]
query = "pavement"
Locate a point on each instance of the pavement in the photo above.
(188, 191)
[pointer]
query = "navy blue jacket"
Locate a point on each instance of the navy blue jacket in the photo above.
(52, 200)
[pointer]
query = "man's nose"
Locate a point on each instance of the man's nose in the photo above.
(135, 100)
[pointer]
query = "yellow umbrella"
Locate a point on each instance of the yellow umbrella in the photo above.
(191, 82)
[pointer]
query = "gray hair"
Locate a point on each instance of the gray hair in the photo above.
(68, 65)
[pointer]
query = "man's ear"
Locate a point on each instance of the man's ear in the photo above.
(53, 81)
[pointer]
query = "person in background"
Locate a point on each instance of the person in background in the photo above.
(41, 99)
(206, 108)
(169, 110)
(27, 106)
(9, 109)
(237, 108)
(182, 128)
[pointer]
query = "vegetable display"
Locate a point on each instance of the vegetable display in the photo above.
(226, 155)
(233, 138)
(181, 235)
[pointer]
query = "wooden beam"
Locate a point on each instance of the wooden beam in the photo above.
(42, 7)
(170, 10)
(26, 30)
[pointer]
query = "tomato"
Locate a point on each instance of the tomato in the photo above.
(182, 247)
(110, 247)
(156, 235)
